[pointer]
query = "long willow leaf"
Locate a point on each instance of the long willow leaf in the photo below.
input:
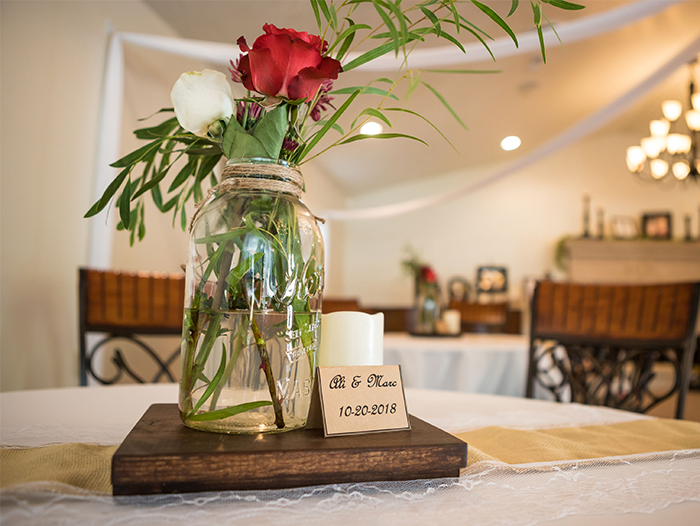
(108, 193)
(445, 103)
(229, 411)
(349, 33)
(361, 137)
(214, 382)
(496, 18)
(404, 110)
(319, 135)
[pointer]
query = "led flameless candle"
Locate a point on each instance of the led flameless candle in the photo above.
(351, 338)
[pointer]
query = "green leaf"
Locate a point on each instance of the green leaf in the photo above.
(220, 238)
(142, 222)
(328, 14)
(346, 37)
(404, 110)
(433, 19)
(361, 137)
(214, 382)
(317, 14)
(513, 7)
(183, 219)
(364, 90)
(329, 124)
(463, 71)
(373, 112)
(206, 167)
(496, 18)
(563, 4)
(125, 205)
(271, 129)
(139, 155)
(413, 82)
(239, 143)
(396, 40)
(157, 197)
(108, 193)
(369, 56)
(183, 174)
(161, 130)
(229, 411)
(242, 269)
(538, 23)
(537, 12)
(445, 103)
(457, 43)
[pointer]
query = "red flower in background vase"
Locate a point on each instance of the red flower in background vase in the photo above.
(285, 63)
(428, 275)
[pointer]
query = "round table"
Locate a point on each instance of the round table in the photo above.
(650, 489)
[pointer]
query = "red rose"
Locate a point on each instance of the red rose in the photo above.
(285, 63)
(428, 274)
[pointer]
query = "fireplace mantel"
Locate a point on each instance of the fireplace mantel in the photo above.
(634, 261)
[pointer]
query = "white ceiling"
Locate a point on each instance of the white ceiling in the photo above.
(527, 98)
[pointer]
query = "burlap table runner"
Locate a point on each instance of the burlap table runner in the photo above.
(89, 466)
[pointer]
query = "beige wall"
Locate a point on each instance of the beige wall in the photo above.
(52, 64)
(514, 222)
(53, 57)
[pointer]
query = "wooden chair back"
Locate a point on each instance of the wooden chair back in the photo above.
(123, 305)
(613, 336)
(339, 304)
(481, 317)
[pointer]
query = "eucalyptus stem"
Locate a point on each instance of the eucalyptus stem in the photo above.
(267, 367)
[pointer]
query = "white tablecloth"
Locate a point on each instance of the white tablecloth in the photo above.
(471, 363)
(662, 488)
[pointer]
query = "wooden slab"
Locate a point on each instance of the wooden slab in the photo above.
(161, 455)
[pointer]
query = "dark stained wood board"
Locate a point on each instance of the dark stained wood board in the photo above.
(161, 455)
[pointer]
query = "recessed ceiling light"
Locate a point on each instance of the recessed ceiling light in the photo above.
(511, 142)
(371, 128)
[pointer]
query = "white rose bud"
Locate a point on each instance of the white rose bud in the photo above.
(200, 99)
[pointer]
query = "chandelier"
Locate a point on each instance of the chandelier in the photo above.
(672, 150)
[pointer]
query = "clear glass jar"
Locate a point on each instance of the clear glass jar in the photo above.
(252, 304)
(426, 310)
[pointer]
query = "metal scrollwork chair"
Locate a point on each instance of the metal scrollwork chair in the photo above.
(599, 344)
(123, 306)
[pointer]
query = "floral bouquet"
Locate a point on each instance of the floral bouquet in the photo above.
(426, 310)
(255, 272)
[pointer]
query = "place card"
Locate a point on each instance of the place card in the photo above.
(355, 400)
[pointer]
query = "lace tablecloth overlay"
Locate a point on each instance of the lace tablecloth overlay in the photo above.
(663, 485)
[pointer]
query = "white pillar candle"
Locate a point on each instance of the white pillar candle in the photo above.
(351, 338)
(453, 321)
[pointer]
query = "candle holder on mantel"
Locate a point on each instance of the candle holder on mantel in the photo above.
(586, 216)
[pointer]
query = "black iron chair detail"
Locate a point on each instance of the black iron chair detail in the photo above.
(598, 344)
(124, 306)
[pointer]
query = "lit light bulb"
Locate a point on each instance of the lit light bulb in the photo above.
(692, 119)
(659, 128)
(678, 143)
(653, 146)
(671, 109)
(512, 142)
(695, 101)
(681, 170)
(635, 158)
(659, 168)
(371, 128)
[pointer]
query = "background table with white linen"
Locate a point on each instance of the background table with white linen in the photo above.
(470, 363)
(648, 489)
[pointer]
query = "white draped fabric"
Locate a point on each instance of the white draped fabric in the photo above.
(658, 488)
(219, 53)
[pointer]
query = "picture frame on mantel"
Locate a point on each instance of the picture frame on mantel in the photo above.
(657, 225)
(624, 227)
